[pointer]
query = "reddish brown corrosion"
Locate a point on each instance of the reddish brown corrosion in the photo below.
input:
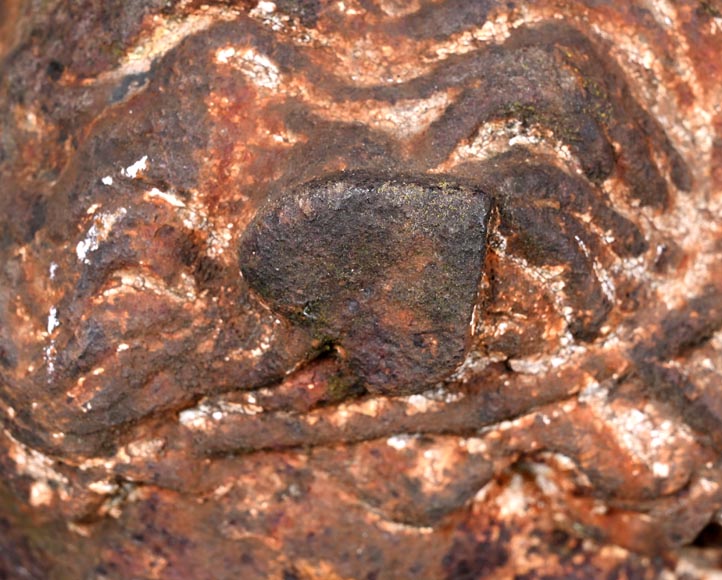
(360, 289)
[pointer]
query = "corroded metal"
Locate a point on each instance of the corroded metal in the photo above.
(360, 289)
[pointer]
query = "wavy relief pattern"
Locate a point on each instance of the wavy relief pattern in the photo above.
(360, 289)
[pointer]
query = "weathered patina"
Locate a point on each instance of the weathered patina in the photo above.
(360, 289)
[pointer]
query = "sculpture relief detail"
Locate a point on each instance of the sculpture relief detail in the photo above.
(362, 289)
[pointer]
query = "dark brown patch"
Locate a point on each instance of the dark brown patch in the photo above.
(386, 269)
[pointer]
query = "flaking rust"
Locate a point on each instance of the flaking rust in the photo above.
(361, 289)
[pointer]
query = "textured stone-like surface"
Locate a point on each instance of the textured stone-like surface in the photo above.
(385, 270)
(361, 289)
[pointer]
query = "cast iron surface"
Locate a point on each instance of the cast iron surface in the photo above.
(361, 289)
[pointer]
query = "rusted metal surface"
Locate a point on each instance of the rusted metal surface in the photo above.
(360, 289)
